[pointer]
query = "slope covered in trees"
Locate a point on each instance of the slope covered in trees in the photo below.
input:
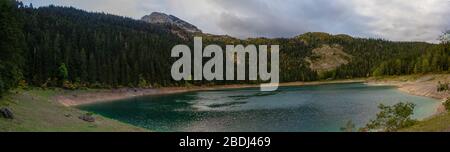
(95, 49)
(62, 46)
(11, 45)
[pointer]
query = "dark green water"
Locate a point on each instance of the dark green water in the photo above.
(304, 108)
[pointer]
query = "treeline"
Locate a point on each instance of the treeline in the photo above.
(98, 50)
(376, 57)
(435, 59)
(12, 45)
(67, 47)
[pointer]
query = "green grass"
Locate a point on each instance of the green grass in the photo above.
(439, 123)
(36, 110)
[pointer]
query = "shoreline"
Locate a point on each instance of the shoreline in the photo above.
(425, 85)
(73, 98)
(420, 85)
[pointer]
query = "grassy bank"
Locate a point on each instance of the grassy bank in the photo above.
(36, 110)
(438, 123)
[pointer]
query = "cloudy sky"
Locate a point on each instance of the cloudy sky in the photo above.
(398, 20)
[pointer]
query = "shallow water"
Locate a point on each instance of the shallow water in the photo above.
(302, 108)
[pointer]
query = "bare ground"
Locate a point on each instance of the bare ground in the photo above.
(425, 85)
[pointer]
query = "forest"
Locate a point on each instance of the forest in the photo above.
(71, 48)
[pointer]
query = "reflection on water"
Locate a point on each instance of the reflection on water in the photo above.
(258, 94)
(305, 108)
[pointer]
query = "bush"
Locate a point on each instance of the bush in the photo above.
(447, 104)
(442, 87)
(69, 85)
(392, 118)
(143, 83)
(23, 84)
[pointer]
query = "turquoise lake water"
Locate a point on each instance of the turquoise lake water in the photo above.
(321, 108)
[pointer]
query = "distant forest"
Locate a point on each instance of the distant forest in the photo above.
(71, 48)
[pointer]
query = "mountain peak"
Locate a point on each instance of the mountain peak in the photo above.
(162, 18)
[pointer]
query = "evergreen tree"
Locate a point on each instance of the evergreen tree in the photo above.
(11, 45)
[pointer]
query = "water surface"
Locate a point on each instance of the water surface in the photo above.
(300, 108)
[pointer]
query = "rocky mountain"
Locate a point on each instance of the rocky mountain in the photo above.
(327, 58)
(161, 18)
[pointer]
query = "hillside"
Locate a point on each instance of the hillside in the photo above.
(327, 58)
(72, 48)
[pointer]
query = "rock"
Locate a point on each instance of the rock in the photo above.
(68, 115)
(87, 117)
(6, 113)
(161, 18)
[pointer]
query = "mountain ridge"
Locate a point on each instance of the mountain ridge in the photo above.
(162, 18)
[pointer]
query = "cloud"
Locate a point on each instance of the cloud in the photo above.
(398, 20)
(406, 20)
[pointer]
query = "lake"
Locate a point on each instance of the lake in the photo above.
(321, 108)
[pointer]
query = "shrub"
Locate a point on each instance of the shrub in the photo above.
(392, 118)
(23, 84)
(447, 104)
(442, 87)
(142, 82)
(69, 85)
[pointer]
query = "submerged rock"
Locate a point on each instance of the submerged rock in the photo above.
(6, 113)
(87, 117)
